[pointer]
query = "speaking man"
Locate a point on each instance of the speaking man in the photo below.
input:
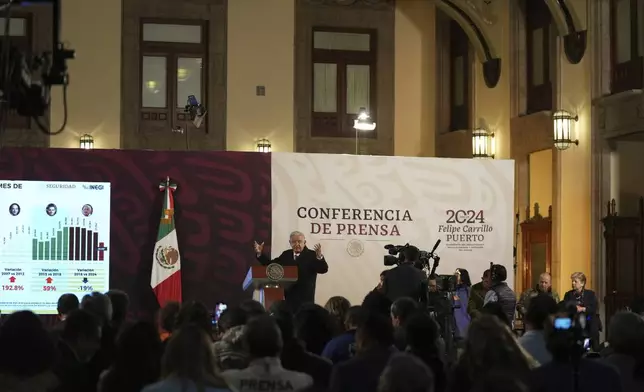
(500, 292)
(405, 280)
(309, 264)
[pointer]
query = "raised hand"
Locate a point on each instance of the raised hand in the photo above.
(259, 248)
(318, 250)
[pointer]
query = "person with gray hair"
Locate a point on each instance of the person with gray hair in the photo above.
(626, 339)
(309, 264)
(406, 373)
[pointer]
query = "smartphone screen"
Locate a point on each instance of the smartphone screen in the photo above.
(563, 323)
(219, 309)
(586, 344)
(192, 100)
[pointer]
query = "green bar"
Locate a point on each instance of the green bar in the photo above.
(65, 243)
(34, 249)
(41, 251)
(59, 250)
(47, 251)
(53, 248)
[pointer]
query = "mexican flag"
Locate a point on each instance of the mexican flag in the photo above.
(166, 260)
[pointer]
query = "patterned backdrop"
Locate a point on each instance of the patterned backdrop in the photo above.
(223, 203)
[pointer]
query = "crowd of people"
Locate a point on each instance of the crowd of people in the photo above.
(376, 346)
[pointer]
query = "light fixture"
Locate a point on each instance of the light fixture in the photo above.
(483, 143)
(86, 142)
(183, 74)
(562, 136)
(263, 145)
(363, 121)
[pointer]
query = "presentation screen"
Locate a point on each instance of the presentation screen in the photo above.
(54, 239)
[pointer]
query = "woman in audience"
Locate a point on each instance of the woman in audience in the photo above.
(28, 355)
(422, 335)
(137, 360)
(338, 307)
(168, 319)
(626, 338)
(461, 299)
(188, 364)
(490, 347)
(314, 326)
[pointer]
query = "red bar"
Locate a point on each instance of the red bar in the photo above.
(95, 247)
(100, 252)
(77, 255)
(71, 243)
(83, 244)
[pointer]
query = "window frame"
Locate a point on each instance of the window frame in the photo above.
(26, 45)
(459, 46)
(340, 123)
(541, 97)
(172, 51)
(628, 75)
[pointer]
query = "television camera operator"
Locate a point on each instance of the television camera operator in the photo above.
(406, 279)
(500, 292)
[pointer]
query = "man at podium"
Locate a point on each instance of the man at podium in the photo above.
(309, 264)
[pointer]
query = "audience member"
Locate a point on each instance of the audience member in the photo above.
(401, 310)
(295, 357)
(195, 313)
(66, 304)
(539, 310)
(136, 360)
(626, 338)
(343, 347)
(187, 364)
(79, 343)
(374, 344)
(100, 306)
(167, 319)
(376, 301)
(314, 326)
(406, 373)
(28, 354)
(252, 308)
(422, 337)
(338, 307)
(120, 306)
(490, 347)
(229, 351)
(263, 342)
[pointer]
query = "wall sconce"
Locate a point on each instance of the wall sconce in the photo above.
(482, 144)
(263, 145)
(562, 137)
(86, 142)
(363, 121)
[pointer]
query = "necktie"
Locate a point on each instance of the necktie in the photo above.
(295, 256)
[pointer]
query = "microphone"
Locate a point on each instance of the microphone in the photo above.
(435, 246)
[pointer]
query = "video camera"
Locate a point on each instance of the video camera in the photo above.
(396, 255)
(569, 333)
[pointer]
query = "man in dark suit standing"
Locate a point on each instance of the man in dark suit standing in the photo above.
(309, 264)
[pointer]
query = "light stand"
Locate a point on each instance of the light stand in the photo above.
(362, 123)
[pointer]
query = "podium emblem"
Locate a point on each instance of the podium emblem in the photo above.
(274, 272)
(355, 248)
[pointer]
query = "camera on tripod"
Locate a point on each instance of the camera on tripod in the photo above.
(397, 256)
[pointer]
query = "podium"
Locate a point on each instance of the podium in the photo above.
(269, 282)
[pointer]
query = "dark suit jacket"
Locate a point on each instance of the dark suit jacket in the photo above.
(308, 268)
(405, 281)
(590, 302)
(361, 373)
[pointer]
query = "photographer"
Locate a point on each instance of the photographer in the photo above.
(406, 280)
(568, 370)
(500, 292)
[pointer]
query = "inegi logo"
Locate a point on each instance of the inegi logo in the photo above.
(93, 187)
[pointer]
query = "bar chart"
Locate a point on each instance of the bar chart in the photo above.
(71, 243)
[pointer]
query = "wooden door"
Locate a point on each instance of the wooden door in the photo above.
(536, 241)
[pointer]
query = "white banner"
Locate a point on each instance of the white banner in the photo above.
(355, 205)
